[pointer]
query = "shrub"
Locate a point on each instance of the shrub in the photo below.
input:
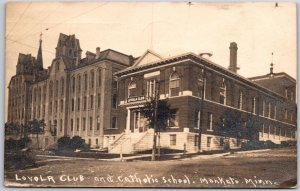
(66, 143)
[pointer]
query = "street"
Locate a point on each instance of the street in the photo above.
(255, 169)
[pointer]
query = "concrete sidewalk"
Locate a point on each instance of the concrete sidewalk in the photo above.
(176, 156)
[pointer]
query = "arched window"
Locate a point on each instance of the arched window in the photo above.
(132, 89)
(223, 93)
(174, 84)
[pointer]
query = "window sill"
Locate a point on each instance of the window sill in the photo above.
(210, 130)
(110, 128)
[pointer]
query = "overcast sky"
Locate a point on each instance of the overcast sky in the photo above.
(166, 28)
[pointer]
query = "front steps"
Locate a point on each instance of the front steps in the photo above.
(129, 143)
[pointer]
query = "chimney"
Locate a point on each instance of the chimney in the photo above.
(97, 52)
(233, 57)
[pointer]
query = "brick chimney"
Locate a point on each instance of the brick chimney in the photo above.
(233, 57)
(97, 52)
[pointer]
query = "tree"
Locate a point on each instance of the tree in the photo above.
(12, 129)
(36, 127)
(252, 127)
(230, 125)
(157, 112)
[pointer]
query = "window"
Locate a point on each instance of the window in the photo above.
(56, 88)
(51, 89)
(285, 114)
(61, 125)
(263, 107)
(83, 124)
(274, 133)
(92, 79)
(62, 82)
(43, 112)
(92, 101)
(174, 84)
(253, 105)
(55, 106)
(196, 142)
(209, 121)
(150, 88)
(114, 122)
(61, 105)
(286, 92)
(198, 119)
(172, 139)
(223, 93)
(98, 122)
(115, 84)
(85, 81)
(73, 84)
(91, 123)
(208, 142)
(240, 100)
(50, 108)
(77, 124)
(73, 105)
(79, 83)
(72, 123)
(238, 142)
(173, 121)
(98, 100)
(201, 87)
(99, 77)
(132, 89)
(221, 141)
(263, 130)
(275, 111)
(84, 103)
(114, 101)
(269, 112)
(78, 104)
(97, 142)
(292, 95)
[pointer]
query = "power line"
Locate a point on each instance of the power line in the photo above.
(21, 16)
(29, 33)
(30, 46)
(76, 16)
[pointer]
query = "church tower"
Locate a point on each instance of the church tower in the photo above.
(39, 58)
(68, 47)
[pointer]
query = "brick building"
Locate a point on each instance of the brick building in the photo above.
(99, 97)
(75, 96)
(202, 95)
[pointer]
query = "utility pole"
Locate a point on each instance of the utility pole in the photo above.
(201, 109)
(155, 122)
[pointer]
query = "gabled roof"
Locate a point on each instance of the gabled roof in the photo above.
(148, 57)
(108, 54)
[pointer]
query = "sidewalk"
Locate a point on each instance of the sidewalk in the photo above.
(147, 157)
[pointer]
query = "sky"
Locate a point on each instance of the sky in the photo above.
(166, 28)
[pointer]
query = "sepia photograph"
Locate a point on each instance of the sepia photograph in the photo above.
(151, 94)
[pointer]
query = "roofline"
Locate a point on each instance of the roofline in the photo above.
(275, 75)
(194, 57)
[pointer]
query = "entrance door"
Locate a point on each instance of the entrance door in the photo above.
(139, 122)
